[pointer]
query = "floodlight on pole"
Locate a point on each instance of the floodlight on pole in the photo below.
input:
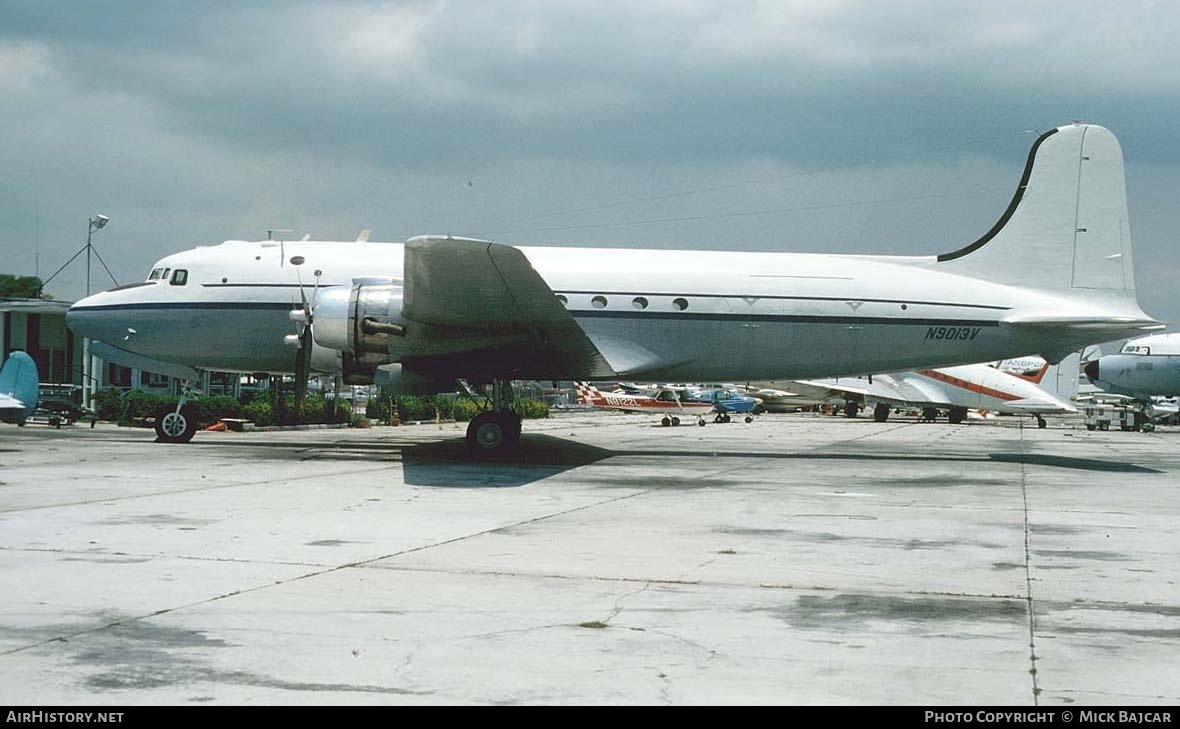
(88, 365)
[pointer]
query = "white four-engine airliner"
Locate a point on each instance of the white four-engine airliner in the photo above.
(1054, 273)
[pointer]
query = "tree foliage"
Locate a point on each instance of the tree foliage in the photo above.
(20, 287)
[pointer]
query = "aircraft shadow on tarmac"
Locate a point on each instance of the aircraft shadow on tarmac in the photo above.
(449, 464)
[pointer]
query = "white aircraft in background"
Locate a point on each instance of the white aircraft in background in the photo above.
(667, 402)
(1146, 371)
(959, 389)
(1053, 274)
(19, 385)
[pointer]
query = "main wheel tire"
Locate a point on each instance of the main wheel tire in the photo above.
(492, 433)
(749, 418)
(1041, 423)
(851, 409)
(929, 414)
(675, 421)
(175, 426)
(881, 413)
(666, 421)
(957, 415)
(701, 422)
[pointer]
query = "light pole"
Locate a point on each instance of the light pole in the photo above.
(88, 388)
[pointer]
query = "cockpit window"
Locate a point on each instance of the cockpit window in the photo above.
(179, 277)
(154, 275)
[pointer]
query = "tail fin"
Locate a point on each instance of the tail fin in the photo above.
(1067, 225)
(1061, 379)
(18, 380)
(587, 393)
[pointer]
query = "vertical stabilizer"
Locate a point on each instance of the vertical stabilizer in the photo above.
(19, 381)
(1067, 225)
(1061, 379)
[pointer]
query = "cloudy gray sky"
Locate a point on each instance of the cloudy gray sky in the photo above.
(883, 127)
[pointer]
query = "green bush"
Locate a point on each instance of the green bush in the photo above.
(137, 405)
(108, 404)
(449, 407)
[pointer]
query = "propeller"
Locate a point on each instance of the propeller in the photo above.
(303, 318)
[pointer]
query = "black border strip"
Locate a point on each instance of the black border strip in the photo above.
(1028, 167)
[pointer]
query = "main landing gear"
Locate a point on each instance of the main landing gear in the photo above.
(498, 430)
(1041, 422)
(881, 412)
(725, 418)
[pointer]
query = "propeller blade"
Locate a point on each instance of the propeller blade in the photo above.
(302, 371)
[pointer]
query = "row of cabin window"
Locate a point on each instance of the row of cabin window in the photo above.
(639, 302)
(179, 276)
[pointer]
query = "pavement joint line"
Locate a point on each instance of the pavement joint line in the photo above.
(309, 575)
(139, 555)
(338, 568)
(1032, 617)
(195, 489)
(714, 583)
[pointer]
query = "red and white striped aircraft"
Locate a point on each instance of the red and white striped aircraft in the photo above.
(666, 401)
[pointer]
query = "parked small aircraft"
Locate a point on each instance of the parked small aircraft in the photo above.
(668, 402)
(726, 401)
(18, 388)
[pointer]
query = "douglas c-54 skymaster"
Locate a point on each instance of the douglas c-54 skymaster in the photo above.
(1053, 274)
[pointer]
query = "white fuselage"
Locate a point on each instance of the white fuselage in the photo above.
(678, 315)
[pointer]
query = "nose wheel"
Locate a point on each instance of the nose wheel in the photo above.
(176, 425)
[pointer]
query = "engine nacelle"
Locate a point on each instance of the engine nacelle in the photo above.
(402, 380)
(360, 322)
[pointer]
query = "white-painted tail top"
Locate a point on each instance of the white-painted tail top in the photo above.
(1067, 225)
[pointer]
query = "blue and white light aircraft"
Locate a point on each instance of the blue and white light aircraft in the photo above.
(1053, 274)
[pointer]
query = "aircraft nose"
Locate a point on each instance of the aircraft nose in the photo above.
(87, 318)
(1091, 370)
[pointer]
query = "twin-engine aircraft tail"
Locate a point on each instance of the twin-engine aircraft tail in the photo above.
(1059, 379)
(1067, 225)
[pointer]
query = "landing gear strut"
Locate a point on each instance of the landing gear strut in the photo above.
(176, 425)
(497, 431)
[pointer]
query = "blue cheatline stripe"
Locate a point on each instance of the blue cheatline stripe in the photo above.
(171, 305)
(908, 302)
(801, 318)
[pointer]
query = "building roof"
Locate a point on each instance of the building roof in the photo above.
(35, 306)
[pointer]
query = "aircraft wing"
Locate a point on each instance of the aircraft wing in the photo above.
(883, 388)
(474, 297)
